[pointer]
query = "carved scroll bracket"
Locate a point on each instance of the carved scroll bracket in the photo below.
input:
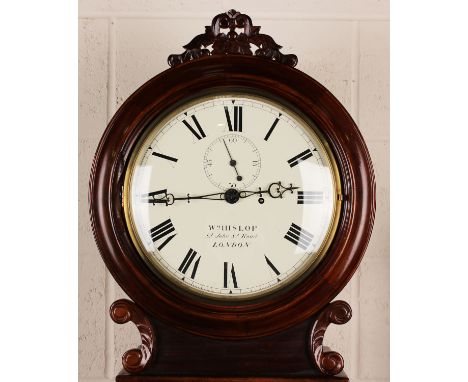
(135, 360)
(328, 362)
(232, 42)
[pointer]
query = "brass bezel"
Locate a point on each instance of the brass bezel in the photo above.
(308, 266)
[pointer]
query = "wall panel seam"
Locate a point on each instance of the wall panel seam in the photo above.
(355, 295)
(355, 70)
(110, 286)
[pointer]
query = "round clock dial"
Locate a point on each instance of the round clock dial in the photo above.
(232, 197)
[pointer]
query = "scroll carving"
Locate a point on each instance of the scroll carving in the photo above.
(232, 42)
(135, 360)
(328, 362)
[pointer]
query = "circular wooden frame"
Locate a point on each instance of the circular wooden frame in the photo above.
(214, 74)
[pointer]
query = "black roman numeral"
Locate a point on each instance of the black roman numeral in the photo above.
(167, 157)
(155, 197)
(299, 236)
(200, 134)
(271, 129)
(232, 273)
(161, 230)
(237, 126)
(300, 158)
(188, 260)
(309, 197)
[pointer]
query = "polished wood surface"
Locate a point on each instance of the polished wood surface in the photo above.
(232, 42)
(167, 351)
(327, 361)
(125, 377)
(135, 360)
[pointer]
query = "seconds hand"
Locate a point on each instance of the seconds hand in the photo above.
(232, 162)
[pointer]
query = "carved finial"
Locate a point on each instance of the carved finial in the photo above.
(232, 42)
(135, 360)
(328, 362)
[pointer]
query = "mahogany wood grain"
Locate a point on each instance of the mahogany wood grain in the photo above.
(125, 377)
(232, 42)
(135, 360)
(297, 351)
(327, 361)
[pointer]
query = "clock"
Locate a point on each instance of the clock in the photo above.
(232, 198)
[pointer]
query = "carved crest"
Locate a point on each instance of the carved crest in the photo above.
(232, 42)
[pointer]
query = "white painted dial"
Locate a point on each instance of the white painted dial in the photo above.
(232, 197)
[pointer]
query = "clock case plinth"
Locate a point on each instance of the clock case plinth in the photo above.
(170, 354)
(126, 377)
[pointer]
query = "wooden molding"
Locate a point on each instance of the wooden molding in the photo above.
(293, 353)
(232, 42)
(135, 360)
(328, 362)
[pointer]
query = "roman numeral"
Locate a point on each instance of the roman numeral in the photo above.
(300, 158)
(161, 230)
(309, 197)
(167, 157)
(299, 236)
(200, 134)
(256, 163)
(270, 264)
(237, 126)
(271, 129)
(188, 260)
(229, 272)
(153, 197)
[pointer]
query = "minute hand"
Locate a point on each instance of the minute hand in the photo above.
(275, 190)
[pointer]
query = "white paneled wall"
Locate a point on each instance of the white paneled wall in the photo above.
(344, 44)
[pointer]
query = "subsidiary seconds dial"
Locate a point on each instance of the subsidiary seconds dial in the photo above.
(232, 196)
(232, 161)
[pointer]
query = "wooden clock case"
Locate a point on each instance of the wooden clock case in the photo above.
(188, 338)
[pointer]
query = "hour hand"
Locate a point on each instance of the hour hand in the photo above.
(275, 190)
